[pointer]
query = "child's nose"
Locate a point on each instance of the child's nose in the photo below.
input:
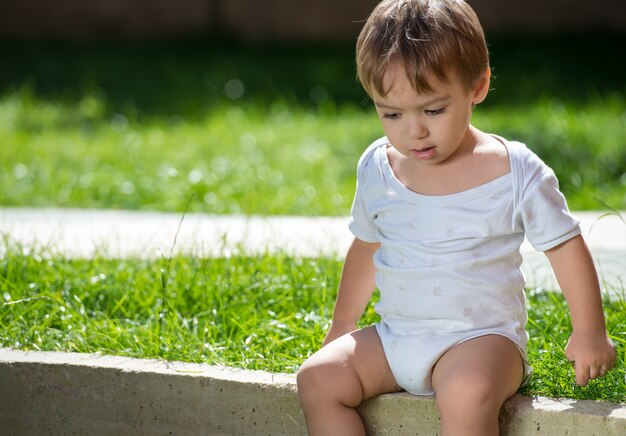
(417, 128)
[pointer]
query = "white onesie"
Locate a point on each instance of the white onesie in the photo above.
(448, 268)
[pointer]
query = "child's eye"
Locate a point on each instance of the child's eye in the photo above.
(434, 111)
(391, 116)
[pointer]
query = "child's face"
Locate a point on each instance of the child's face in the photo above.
(427, 128)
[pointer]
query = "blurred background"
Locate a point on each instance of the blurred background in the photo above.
(244, 106)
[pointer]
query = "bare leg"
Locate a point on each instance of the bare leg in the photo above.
(336, 379)
(472, 381)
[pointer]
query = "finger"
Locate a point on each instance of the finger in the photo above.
(582, 374)
(595, 372)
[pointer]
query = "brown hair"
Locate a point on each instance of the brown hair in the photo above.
(427, 37)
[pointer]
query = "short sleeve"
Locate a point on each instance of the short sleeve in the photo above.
(543, 210)
(360, 224)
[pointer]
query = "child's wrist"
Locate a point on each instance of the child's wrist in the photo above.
(590, 331)
(342, 322)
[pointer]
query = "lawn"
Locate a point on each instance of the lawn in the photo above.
(274, 129)
(254, 312)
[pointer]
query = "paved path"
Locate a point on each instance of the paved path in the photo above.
(83, 233)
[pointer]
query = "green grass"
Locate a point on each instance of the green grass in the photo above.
(260, 312)
(549, 327)
(146, 126)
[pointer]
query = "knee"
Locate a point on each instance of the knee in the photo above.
(305, 378)
(475, 394)
(319, 380)
(311, 378)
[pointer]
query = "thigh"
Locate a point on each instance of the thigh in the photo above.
(490, 367)
(357, 357)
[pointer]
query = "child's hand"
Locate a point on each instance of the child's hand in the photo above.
(337, 329)
(592, 355)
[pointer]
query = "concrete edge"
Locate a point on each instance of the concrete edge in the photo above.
(67, 393)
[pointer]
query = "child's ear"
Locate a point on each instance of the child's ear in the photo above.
(482, 87)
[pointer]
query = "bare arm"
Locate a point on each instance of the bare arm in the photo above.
(589, 345)
(355, 288)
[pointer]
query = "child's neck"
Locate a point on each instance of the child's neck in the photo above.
(480, 159)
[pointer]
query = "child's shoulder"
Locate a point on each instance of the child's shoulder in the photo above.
(526, 165)
(511, 146)
(370, 153)
(519, 153)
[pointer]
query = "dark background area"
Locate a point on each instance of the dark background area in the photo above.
(286, 20)
(164, 57)
(187, 76)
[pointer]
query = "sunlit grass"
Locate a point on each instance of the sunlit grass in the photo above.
(271, 160)
(279, 159)
(549, 327)
(254, 312)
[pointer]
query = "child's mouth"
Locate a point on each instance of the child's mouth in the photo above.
(424, 153)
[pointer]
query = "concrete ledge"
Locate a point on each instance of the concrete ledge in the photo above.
(70, 393)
